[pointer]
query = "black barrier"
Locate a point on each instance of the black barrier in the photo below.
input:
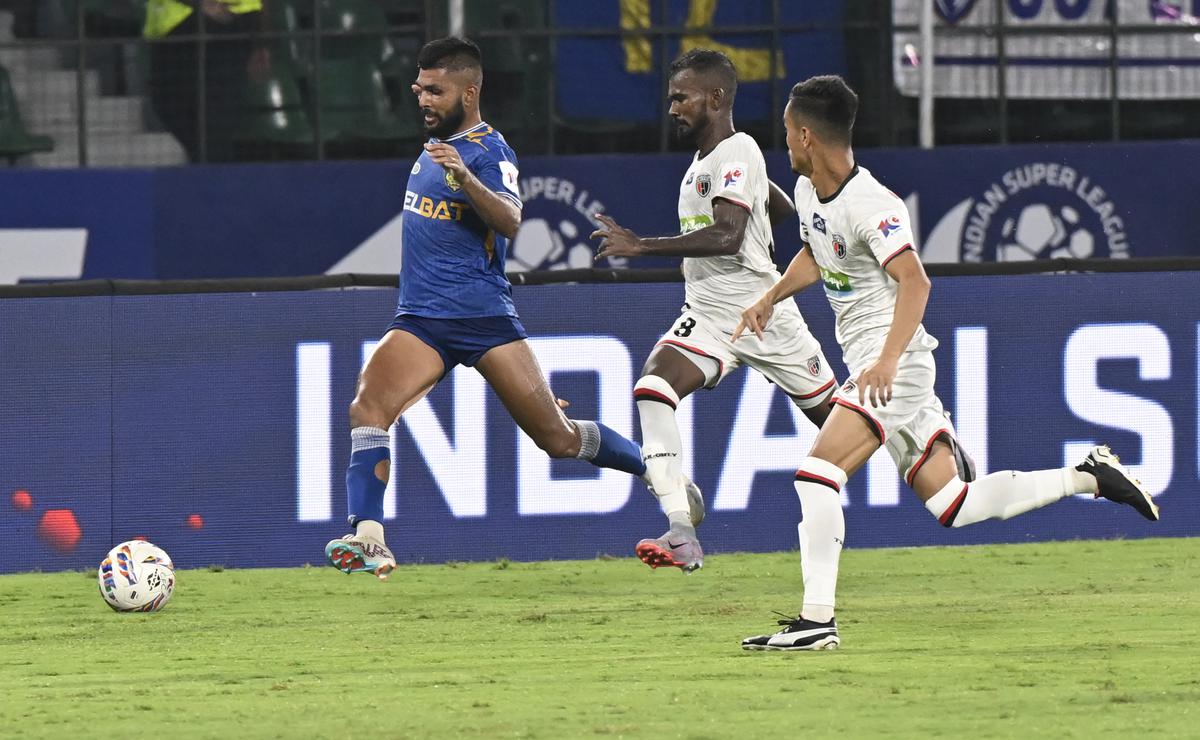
(548, 277)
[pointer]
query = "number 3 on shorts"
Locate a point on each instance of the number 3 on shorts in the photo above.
(685, 327)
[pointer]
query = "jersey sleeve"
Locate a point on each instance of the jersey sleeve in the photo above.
(888, 231)
(740, 174)
(497, 169)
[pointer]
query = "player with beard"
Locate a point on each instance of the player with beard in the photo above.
(857, 239)
(462, 207)
(726, 209)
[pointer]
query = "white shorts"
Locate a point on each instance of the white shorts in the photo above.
(788, 355)
(912, 421)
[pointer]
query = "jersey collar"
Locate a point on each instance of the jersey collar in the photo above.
(478, 127)
(836, 193)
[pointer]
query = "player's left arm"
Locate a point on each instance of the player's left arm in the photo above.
(723, 237)
(900, 260)
(499, 212)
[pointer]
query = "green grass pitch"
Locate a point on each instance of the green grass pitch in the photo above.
(1063, 640)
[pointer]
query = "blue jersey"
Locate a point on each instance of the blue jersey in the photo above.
(452, 264)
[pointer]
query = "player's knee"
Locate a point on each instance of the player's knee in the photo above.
(947, 502)
(558, 443)
(366, 413)
(657, 389)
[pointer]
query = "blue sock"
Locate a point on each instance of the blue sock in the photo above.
(364, 490)
(605, 448)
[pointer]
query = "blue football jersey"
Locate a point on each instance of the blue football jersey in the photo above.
(452, 264)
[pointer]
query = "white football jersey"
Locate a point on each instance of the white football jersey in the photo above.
(723, 286)
(853, 234)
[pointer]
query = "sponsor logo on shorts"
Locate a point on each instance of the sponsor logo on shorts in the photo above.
(814, 365)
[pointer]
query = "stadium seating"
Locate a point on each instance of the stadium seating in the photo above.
(355, 104)
(15, 140)
(273, 110)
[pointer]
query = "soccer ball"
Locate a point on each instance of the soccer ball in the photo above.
(136, 576)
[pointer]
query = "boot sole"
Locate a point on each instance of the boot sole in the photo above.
(657, 556)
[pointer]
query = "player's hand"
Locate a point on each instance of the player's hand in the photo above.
(875, 383)
(447, 156)
(754, 318)
(616, 240)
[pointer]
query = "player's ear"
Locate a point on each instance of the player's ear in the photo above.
(471, 96)
(716, 98)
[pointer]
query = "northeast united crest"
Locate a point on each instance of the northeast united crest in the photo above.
(703, 185)
(839, 245)
(814, 365)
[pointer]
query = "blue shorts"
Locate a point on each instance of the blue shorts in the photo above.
(461, 341)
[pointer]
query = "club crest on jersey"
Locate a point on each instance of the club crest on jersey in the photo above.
(451, 182)
(703, 185)
(416, 168)
(814, 365)
(888, 225)
(818, 223)
(839, 245)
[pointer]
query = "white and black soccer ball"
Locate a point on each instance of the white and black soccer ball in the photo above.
(136, 576)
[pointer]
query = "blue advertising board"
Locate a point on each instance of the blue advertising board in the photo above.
(206, 422)
(970, 204)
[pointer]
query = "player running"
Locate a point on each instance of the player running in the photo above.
(726, 205)
(461, 208)
(858, 241)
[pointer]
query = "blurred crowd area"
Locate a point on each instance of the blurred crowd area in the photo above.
(168, 82)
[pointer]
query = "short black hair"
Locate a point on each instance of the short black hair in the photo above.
(705, 61)
(453, 54)
(828, 102)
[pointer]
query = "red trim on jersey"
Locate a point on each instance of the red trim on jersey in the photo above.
(875, 425)
(646, 394)
(804, 475)
(895, 254)
(818, 391)
(734, 201)
(912, 472)
(948, 516)
(702, 353)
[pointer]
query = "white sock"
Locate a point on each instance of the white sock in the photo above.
(662, 450)
(1005, 494)
(369, 528)
(822, 530)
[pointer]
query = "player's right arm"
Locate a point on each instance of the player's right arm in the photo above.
(801, 273)
(723, 237)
